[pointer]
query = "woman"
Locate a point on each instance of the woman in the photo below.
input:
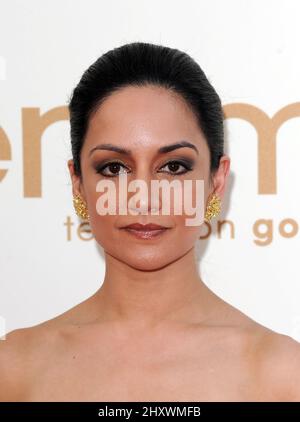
(153, 331)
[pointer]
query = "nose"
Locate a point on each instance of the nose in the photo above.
(143, 201)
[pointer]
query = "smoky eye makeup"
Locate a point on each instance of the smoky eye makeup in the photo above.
(112, 165)
(189, 163)
(175, 166)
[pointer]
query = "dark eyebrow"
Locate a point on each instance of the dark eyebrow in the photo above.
(182, 144)
(111, 147)
(161, 150)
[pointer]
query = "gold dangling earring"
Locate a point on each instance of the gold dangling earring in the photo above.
(80, 207)
(213, 209)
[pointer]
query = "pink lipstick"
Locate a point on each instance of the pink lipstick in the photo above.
(145, 231)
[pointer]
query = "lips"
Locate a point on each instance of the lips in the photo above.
(145, 227)
(145, 231)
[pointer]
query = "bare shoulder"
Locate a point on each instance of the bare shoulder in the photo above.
(279, 365)
(20, 354)
(274, 357)
(14, 363)
(25, 353)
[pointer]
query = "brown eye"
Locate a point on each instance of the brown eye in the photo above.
(111, 169)
(176, 165)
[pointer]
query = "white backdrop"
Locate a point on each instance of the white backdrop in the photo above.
(250, 52)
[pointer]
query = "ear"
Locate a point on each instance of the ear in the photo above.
(77, 188)
(220, 177)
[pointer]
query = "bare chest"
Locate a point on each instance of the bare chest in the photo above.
(142, 371)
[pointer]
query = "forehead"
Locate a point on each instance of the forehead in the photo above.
(143, 117)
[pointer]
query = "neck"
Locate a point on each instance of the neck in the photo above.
(174, 293)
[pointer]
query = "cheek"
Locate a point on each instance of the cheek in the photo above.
(103, 229)
(185, 236)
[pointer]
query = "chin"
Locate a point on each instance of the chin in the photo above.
(144, 260)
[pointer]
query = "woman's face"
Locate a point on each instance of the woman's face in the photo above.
(142, 120)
